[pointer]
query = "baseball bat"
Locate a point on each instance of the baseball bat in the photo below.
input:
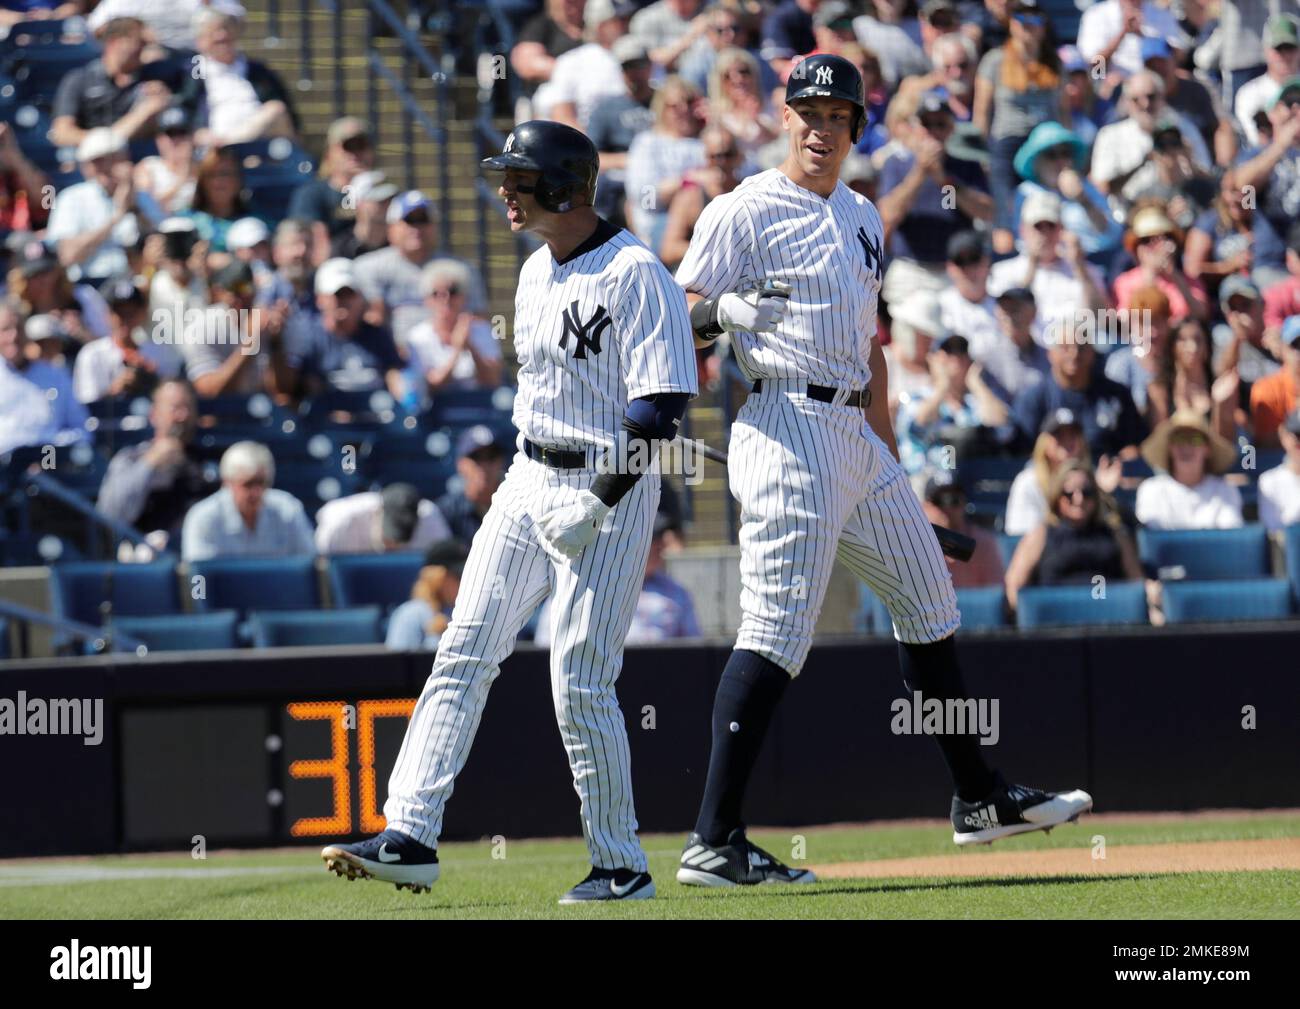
(956, 545)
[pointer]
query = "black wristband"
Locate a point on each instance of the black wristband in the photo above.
(704, 319)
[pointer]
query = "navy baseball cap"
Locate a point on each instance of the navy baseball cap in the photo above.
(406, 204)
(934, 100)
(965, 243)
(450, 554)
(33, 258)
(1059, 418)
(472, 439)
(401, 512)
(940, 481)
(121, 291)
(1017, 294)
(175, 120)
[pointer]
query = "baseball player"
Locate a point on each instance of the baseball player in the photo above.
(790, 265)
(606, 367)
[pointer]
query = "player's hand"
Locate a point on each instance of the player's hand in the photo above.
(566, 531)
(758, 311)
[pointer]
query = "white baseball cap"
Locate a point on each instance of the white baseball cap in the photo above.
(1041, 206)
(373, 187)
(246, 233)
(99, 143)
(921, 310)
(335, 274)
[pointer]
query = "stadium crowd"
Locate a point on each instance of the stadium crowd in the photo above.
(1093, 263)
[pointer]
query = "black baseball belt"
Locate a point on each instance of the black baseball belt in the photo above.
(858, 398)
(555, 458)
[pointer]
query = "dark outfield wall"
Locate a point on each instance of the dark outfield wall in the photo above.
(219, 745)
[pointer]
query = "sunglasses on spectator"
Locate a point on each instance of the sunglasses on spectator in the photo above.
(936, 123)
(942, 20)
(1187, 438)
(1062, 153)
(446, 292)
(1087, 492)
(741, 70)
(1145, 98)
(356, 145)
(180, 133)
(967, 260)
(1046, 226)
(241, 290)
(958, 65)
(729, 154)
(723, 29)
(1286, 49)
(1244, 305)
(1153, 239)
(417, 218)
(950, 499)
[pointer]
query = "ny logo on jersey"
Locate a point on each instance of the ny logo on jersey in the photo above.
(824, 76)
(586, 334)
(871, 253)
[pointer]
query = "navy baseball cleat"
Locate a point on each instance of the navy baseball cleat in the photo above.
(390, 856)
(1014, 809)
(611, 884)
(739, 862)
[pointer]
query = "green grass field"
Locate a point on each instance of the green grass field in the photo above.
(527, 881)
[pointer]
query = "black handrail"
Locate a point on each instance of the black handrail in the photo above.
(46, 484)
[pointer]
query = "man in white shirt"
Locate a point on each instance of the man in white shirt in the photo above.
(376, 523)
(1113, 31)
(237, 112)
(966, 306)
(583, 76)
(126, 361)
(93, 222)
(1279, 488)
(1281, 61)
(37, 406)
(1052, 265)
(1123, 147)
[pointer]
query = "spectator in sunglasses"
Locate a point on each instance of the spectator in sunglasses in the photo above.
(324, 202)
(660, 159)
(1231, 237)
(1059, 442)
(1188, 490)
(451, 349)
(1156, 243)
(720, 174)
(1281, 63)
(738, 105)
(1188, 96)
(1081, 539)
(1112, 31)
(1275, 170)
(1053, 160)
(944, 504)
(390, 278)
(728, 28)
(668, 28)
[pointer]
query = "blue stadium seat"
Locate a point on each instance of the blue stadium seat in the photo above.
(1292, 551)
(184, 632)
(77, 467)
(982, 608)
(872, 616)
(459, 408)
(1007, 547)
(79, 589)
(358, 626)
(1207, 554)
(257, 583)
(1253, 599)
(29, 549)
(1074, 605)
(5, 649)
(382, 580)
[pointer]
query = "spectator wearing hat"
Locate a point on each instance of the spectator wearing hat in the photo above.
(233, 349)
(787, 32)
(39, 285)
(1124, 147)
(419, 622)
(1017, 87)
(218, 198)
(37, 406)
(378, 522)
(48, 341)
(583, 76)
(322, 202)
(451, 348)
(1230, 236)
(1086, 110)
(1242, 347)
(1052, 264)
(1112, 31)
(372, 194)
(663, 158)
(890, 29)
(915, 326)
(668, 28)
(944, 504)
(112, 91)
(243, 99)
(1111, 422)
(169, 176)
(1192, 100)
(1188, 490)
(720, 174)
(617, 120)
(152, 485)
(249, 241)
(94, 222)
(955, 62)
(957, 405)
(833, 27)
(22, 187)
(1282, 296)
(1054, 160)
(248, 517)
(1059, 441)
(926, 196)
(391, 278)
(1156, 243)
(549, 34)
(738, 104)
(1273, 399)
(1081, 539)
(480, 464)
(728, 28)
(335, 348)
(1279, 488)
(127, 361)
(1015, 359)
(1281, 63)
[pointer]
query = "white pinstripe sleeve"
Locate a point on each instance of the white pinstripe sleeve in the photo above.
(656, 344)
(720, 249)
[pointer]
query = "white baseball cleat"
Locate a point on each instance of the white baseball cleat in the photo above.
(1014, 809)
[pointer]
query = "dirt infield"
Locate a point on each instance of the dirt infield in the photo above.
(1129, 859)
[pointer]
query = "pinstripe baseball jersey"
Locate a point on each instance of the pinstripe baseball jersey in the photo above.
(830, 251)
(605, 326)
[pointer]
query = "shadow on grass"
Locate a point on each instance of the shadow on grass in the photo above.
(842, 887)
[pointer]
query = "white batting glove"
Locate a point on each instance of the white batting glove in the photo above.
(566, 531)
(757, 311)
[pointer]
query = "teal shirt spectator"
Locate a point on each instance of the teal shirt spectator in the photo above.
(213, 230)
(919, 445)
(214, 528)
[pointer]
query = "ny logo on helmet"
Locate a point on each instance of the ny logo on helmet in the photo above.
(824, 76)
(510, 142)
(586, 334)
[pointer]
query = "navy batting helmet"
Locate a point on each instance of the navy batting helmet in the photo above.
(827, 76)
(566, 159)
